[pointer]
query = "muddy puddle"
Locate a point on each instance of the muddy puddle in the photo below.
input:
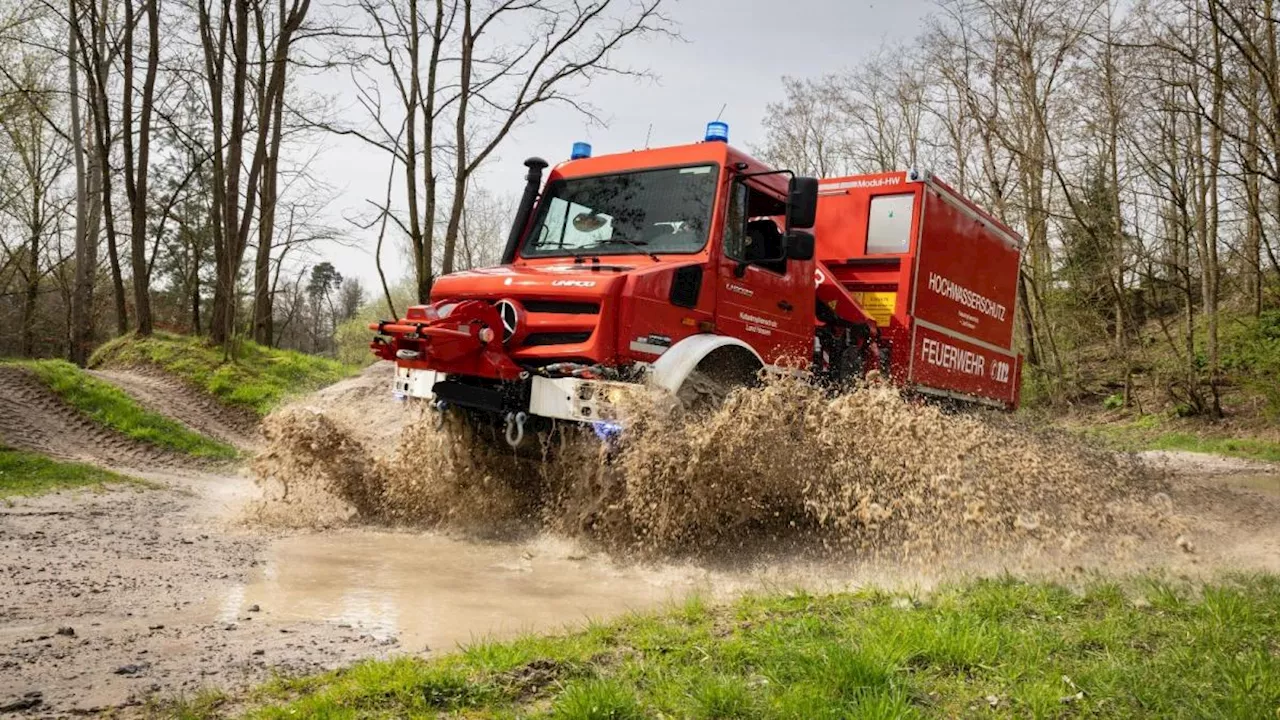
(1268, 484)
(433, 592)
(436, 592)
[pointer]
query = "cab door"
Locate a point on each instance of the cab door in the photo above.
(762, 298)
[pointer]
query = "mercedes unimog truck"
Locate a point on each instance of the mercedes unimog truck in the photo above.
(684, 268)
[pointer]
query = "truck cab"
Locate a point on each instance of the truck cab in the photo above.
(619, 262)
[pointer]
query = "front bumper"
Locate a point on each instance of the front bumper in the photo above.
(566, 398)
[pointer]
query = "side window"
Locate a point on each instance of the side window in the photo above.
(752, 233)
(735, 223)
(889, 224)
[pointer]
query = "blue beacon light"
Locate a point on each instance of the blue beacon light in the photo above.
(580, 150)
(717, 131)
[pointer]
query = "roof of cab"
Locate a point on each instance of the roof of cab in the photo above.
(711, 152)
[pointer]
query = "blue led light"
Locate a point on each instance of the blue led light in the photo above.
(580, 150)
(717, 131)
(606, 431)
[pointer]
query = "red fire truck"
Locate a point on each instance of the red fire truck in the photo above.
(664, 268)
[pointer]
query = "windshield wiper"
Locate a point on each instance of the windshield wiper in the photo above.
(632, 243)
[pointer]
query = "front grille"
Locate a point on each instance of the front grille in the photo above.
(561, 307)
(556, 338)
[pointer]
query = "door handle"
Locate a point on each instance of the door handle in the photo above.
(785, 306)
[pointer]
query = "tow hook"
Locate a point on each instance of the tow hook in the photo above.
(440, 407)
(515, 428)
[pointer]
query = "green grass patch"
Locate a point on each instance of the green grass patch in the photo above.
(1237, 447)
(256, 378)
(113, 408)
(999, 648)
(1151, 432)
(24, 473)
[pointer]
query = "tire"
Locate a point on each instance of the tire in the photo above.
(700, 393)
(719, 374)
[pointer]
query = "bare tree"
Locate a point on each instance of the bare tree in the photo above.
(486, 220)
(87, 204)
(36, 158)
(806, 131)
(461, 85)
(225, 33)
(271, 90)
(137, 159)
(98, 52)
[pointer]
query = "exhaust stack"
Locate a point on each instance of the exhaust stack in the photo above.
(532, 182)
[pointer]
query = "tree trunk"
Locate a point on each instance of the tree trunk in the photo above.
(195, 302)
(1253, 198)
(86, 252)
(421, 253)
(264, 305)
(1028, 327)
(1210, 238)
(101, 82)
(263, 332)
(231, 251)
(462, 164)
(136, 167)
(213, 42)
(33, 278)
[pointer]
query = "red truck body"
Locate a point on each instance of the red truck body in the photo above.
(940, 277)
(645, 265)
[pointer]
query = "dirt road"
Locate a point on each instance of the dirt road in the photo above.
(111, 597)
(108, 599)
(166, 395)
(33, 418)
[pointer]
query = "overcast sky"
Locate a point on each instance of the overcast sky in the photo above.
(734, 54)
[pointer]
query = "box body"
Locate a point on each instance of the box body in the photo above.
(938, 275)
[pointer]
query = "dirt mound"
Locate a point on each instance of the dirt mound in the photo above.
(34, 418)
(166, 395)
(862, 471)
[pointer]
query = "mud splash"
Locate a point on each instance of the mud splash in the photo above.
(863, 471)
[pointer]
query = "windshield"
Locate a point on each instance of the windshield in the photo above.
(653, 211)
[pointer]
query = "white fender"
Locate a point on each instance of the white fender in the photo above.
(669, 371)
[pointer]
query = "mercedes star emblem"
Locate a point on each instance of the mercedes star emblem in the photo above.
(510, 318)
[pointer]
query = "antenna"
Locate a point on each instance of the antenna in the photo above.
(647, 135)
(722, 107)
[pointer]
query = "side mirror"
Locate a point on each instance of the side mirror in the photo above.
(802, 202)
(799, 245)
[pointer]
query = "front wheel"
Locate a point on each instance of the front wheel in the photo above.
(706, 388)
(702, 393)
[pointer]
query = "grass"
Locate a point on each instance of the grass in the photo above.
(1238, 447)
(1153, 432)
(998, 648)
(257, 378)
(23, 473)
(200, 705)
(113, 408)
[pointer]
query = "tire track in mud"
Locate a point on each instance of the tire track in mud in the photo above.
(174, 399)
(34, 418)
